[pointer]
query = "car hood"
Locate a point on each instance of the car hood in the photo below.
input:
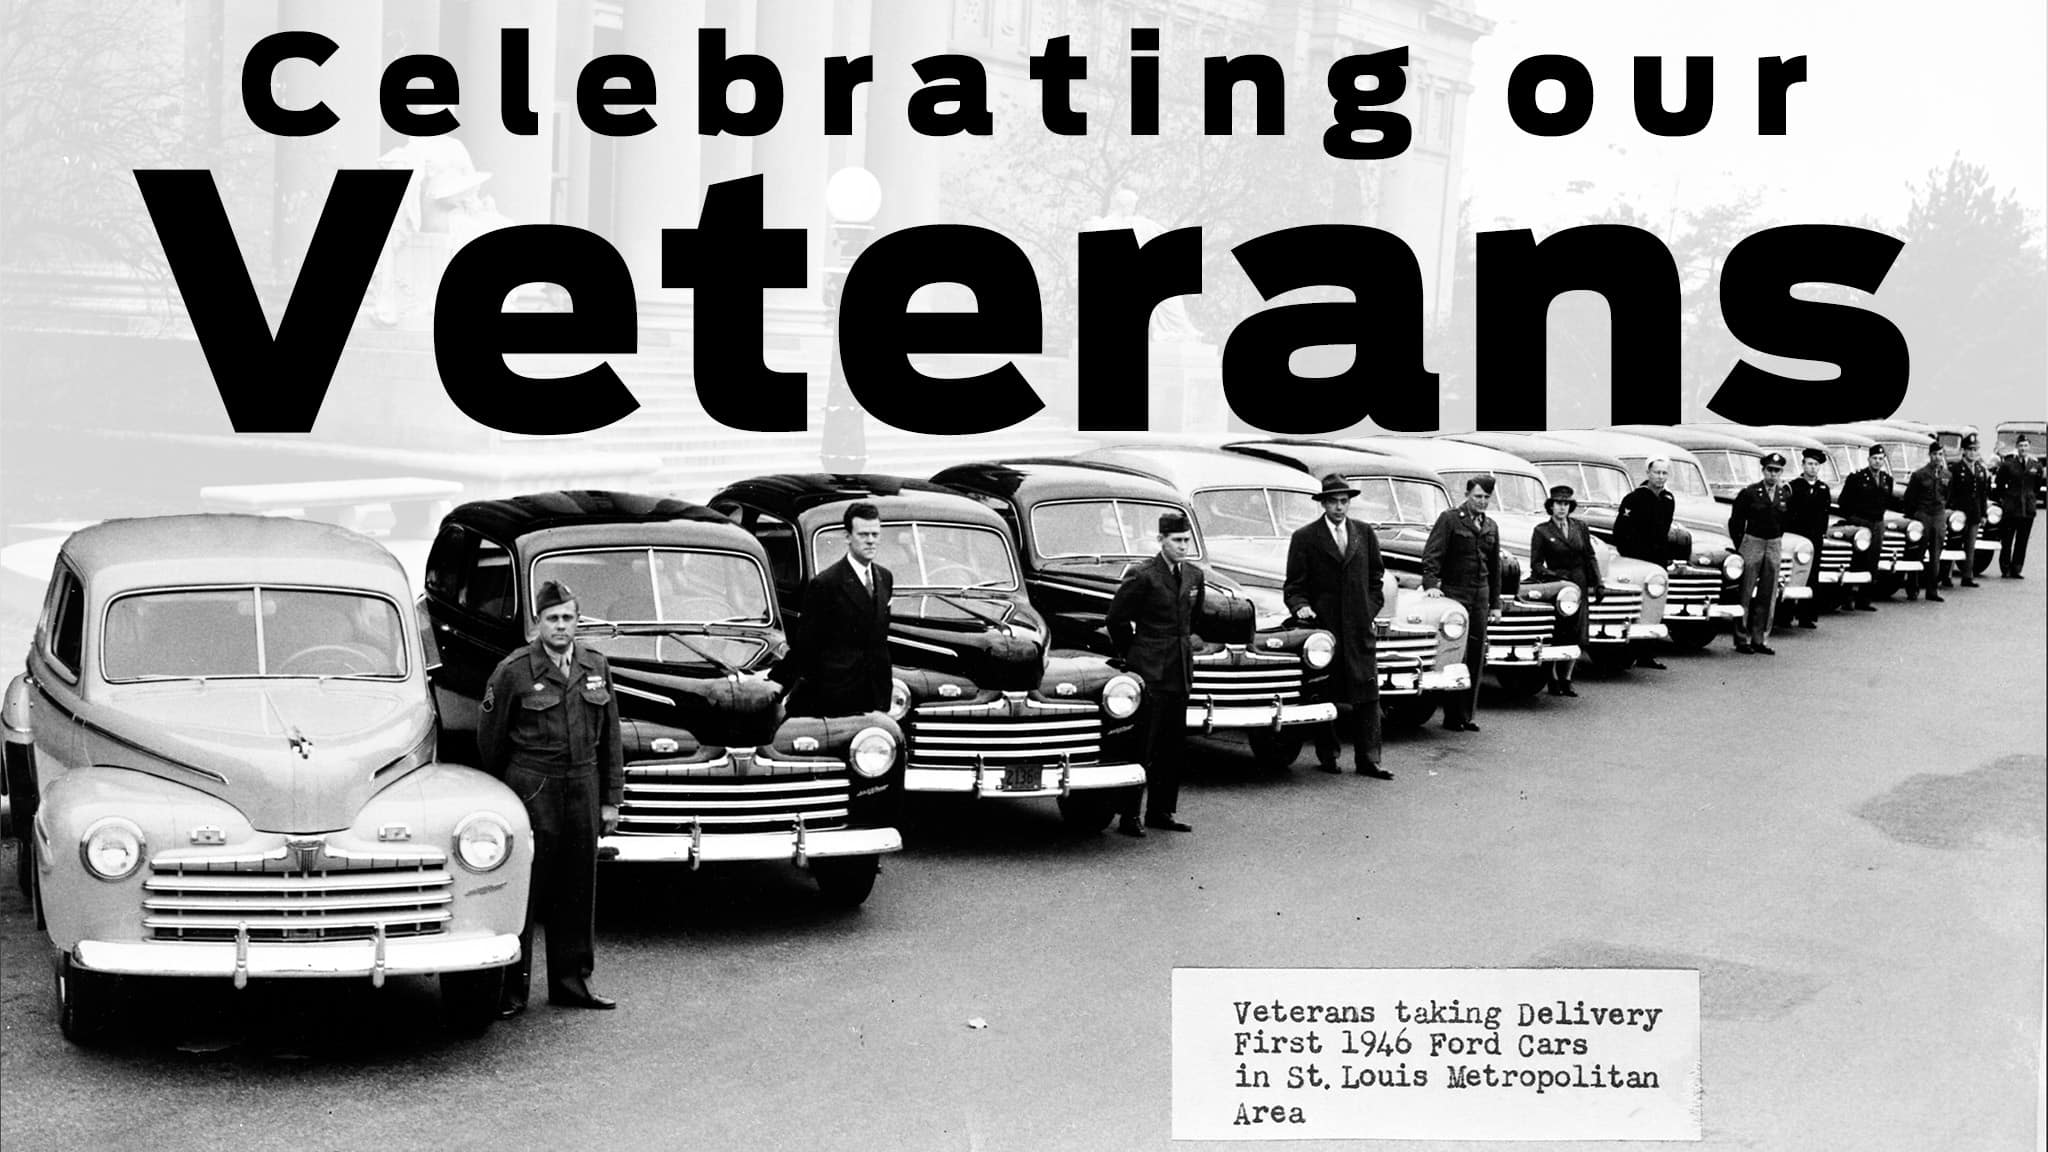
(292, 755)
(995, 641)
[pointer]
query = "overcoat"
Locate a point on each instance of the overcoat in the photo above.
(1346, 593)
(838, 663)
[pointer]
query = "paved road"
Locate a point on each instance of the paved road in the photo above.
(1846, 841)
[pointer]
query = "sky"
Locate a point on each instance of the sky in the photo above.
(1893, 90)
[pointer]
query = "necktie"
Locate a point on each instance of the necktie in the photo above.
(1343, 540)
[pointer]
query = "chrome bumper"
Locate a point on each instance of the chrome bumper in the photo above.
(1207, 717)
(1523, 655)
(1902, 566)
(1951, 553)
(1701, 613)
(1984, 545)
(406, 956)
(1053, 780)
(1850, 577)
(738, 847)
(1795, 592)
(1624, 633)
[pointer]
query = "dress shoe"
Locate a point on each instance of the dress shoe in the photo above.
(1745, 649)
(510, 1008)
(1945, 584)
(2019, 575)
(1169, 824)
(1936, 598)
(1329, 766)
(1766, 650)
(1969, 583)
(1651, 662)
(1866, 607)
(1468, 726)
(1556, 689)
(1129, 827)
(577, 994)
(1375, 771)
(1567, 690)
(1809, 624)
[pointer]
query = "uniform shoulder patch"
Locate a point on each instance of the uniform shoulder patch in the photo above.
(490, 697)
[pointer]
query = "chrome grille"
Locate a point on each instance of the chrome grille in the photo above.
(1025, 736)
(1835, 555)
(1522, 628)
(1616, 606)
(1894, 545)
(1239, 677)
(338, 898)
(1692, 589)
(664, 802)
(1406, 652)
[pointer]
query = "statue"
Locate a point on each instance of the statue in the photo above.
(1170, 321)
(443, 209)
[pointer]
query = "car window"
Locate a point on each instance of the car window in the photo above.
(1604, 485)
(660, 585)
(1420, 503)
(1235, 512)
(242, 632)
(67, 623)
(1724, 467)
(448, 560)
(778, 539)
(487, 585)
(931, 555)
(1097, 528)
(1375, 503)
(1512, 492)
(1555, 474)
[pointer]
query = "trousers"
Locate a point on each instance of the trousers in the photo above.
(2012, 543)
(564, 810)
(1759, 588)
(1459, 707)
(1166, 736)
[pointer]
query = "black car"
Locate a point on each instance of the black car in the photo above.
(989, 706)
(1081, 526)
(680, 601)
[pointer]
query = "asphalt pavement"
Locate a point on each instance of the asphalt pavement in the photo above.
(1845, 840)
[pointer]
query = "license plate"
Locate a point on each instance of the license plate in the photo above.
(1023, 779)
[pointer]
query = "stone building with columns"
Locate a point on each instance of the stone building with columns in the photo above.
(385, 413)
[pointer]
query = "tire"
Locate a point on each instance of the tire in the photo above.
(1693, 637)
(34, 882)
(469, 1000)
(1274, 751)
(1982, 564)
(87, 1002)
(845, 881)
(1521, 683)
(1885, 584)
(1408, 711)
(1087, 812)
(1611, 659)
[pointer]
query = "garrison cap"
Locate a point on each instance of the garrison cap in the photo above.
(1813, 454)
(1774, 460)
(552, 592)
(1173, 522)
(1935, 445)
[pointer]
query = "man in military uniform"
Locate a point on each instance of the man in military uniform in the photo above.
(1462, 561)
(1806, 512)
(550, 730)
(1151, 622)
(1336, 580)
(1757, 525)
(1866, 494)
(1926, 500)
(1970, 490)
(1642, 531)
(2016, 501)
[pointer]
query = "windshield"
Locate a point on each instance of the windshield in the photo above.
(923, 555)
(660, 585)
(1725, 467)
(252, 631)
(2007, 440)
(1392, 500)
(1686, 477)
(1845, 458)
(1906, 456)
(1511, 492)
(1099, 528)
(1255, 513)
(1604, 485)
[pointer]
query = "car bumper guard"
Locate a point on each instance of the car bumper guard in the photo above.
(1530, 655)
(1011, 782)
(242, 958)
(799, 846)
(1207, 717)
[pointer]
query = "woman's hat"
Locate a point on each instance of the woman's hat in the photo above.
(1334, 485)
(1562, 494)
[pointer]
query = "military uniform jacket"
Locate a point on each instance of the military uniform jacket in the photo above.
(1152, 619)
(1866, 495)
(1347, 592)
(1806, 508)
(1759, 511)
(1463, 553)
(536, 718)
(1969, 488)
(1642, 526)
(1564, 555)
(2016, 487)
(839, 658)
(1926, 498)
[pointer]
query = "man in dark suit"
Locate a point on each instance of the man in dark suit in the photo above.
(1806, 512)
(1970, 490)
(1866, 495)
(1151, 623)
(1335, 581)
(1462, 561)
(1642, 531)
(2016, 503)
(838, 663)
(1926, 500)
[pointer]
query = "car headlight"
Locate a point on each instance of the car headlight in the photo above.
(1994, 514)
(111, 848)
(1319, 649)
(874, 752)
(1802, 555)
(482, 842)
(1453, 626)
(1732, 566)
(1654, 587)
(899, 699)
(1956, 520)
(1121, 695)
(1568, 600)
(1915, 530)
(1863, 539)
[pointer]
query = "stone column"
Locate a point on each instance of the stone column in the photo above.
(348, 84)
(907, 164)
(791, 158)
(521, 167)
(659, 184)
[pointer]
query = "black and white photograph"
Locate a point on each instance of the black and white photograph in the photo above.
(1023, 575)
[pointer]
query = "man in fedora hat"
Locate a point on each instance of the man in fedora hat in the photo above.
(1970, 490)
(550, 730)
(1926, 500)
(1757, 525)
(1151, 622)
(1806, 512)
(1335, 581)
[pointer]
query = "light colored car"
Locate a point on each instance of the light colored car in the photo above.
(224, 751)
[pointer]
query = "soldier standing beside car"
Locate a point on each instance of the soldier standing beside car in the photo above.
(1866, 495)
(1151, 622)
(1642, 530)
(1757, 525)
(1462, 561)
(1970, 490)
(1336, 580)
(1806, 512)
(550, 730)
(1926, 500)
(2016, 499)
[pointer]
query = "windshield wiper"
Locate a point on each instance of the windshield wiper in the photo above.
(968, 608)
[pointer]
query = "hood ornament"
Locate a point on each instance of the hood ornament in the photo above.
(306, 851)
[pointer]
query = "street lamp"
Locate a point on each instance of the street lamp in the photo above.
(852, 197)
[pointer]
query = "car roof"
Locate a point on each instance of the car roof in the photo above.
(895, 497)
(1623, 445)
(1778, 436)
(230, 548)
(1448, 455)
(1536, 447)
(1191, 469)
(1884, 431)
(537, 511)
(1319, 458)
(1841, 434)
(1038, 479)
(2020, 426)
(1697, 437)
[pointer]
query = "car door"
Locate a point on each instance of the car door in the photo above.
(472, 599)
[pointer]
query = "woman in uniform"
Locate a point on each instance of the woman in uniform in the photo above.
(1562, 549)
